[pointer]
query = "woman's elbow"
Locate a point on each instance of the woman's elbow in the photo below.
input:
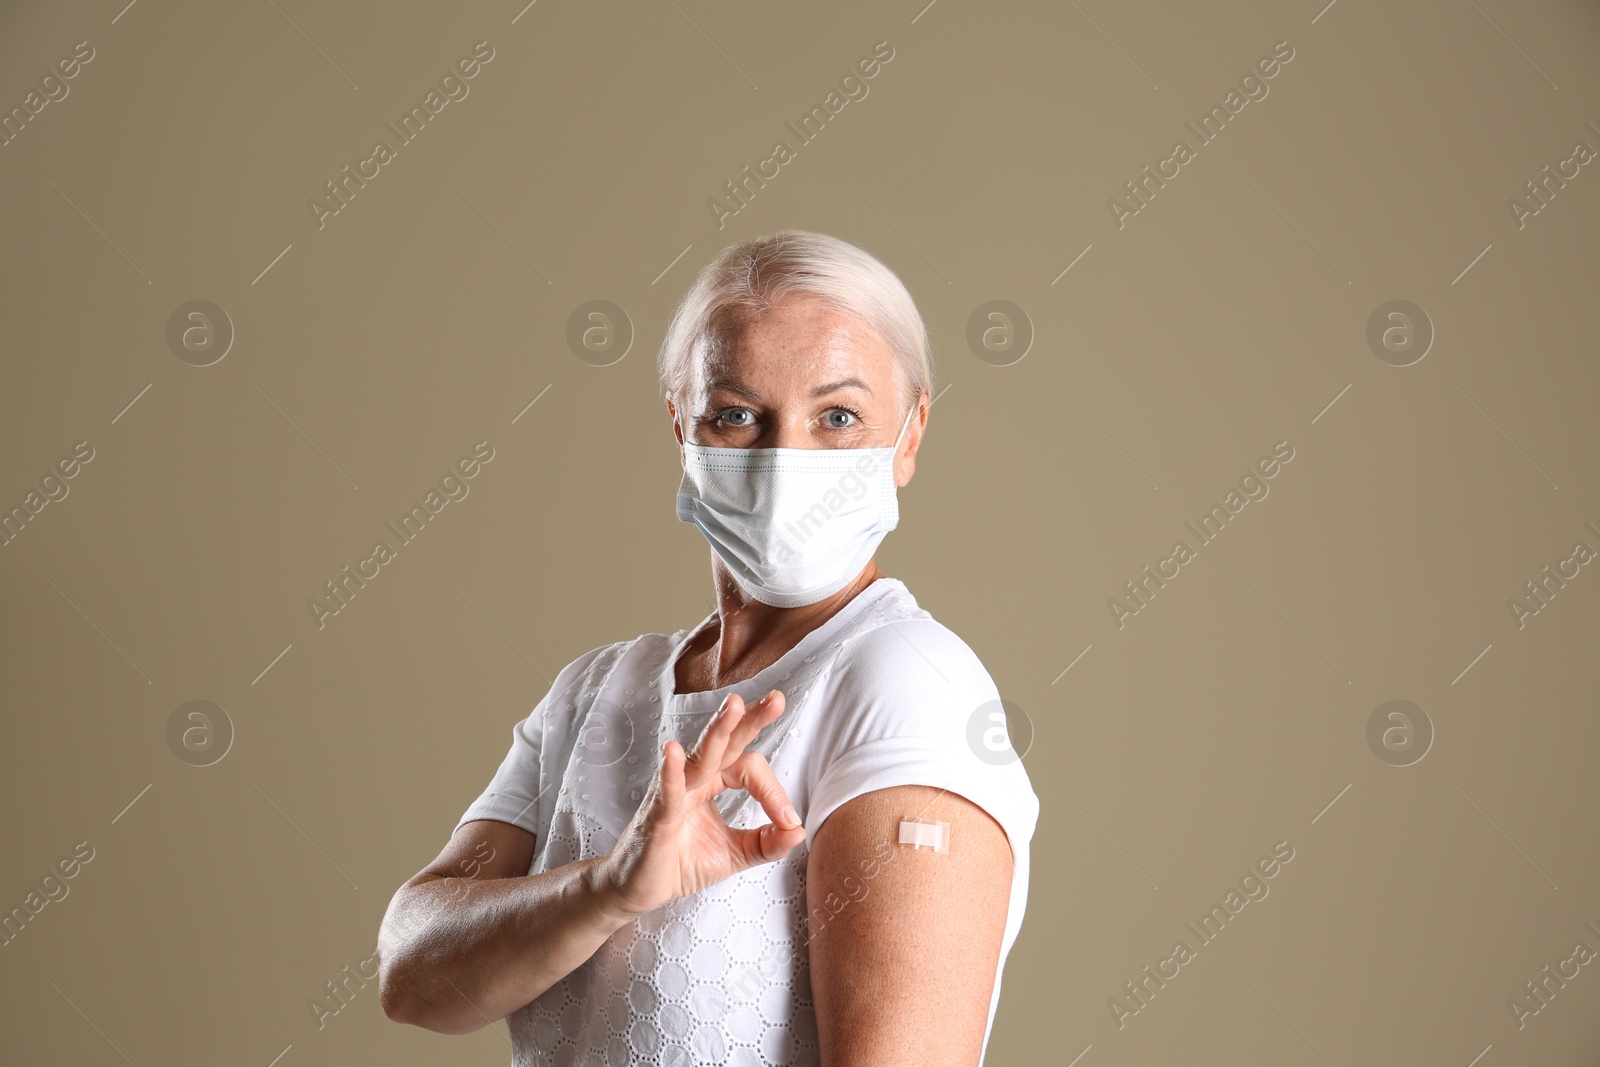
(390, 999)
(400, 1002)
(400, 976)
(395, 989)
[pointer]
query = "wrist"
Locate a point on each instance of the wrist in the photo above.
(602, 882)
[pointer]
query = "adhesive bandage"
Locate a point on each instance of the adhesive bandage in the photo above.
(919, 835)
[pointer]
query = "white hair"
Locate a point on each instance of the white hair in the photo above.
(749, 278)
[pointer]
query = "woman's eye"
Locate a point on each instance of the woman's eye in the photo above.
(839, 418)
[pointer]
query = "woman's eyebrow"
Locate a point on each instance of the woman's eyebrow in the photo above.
(734, 386)
(842, 383)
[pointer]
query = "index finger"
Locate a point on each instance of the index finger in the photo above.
(709, 750)
(757, 715)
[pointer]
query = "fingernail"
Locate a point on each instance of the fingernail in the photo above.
(789, 815)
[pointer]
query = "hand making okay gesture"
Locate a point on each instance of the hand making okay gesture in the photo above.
(677, 843)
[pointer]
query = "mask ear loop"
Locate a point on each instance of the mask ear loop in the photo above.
(904, 426)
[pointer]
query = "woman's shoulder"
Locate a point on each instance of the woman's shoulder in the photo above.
(574, 692)
(897, 647)
(908, 702)
(598, 662)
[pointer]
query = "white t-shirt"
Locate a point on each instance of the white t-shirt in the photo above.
(879, 695)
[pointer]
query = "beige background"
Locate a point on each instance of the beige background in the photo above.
(1230, 314)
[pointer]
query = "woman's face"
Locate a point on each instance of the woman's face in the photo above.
(798, 376)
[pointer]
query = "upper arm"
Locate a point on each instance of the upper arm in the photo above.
(480, 850)
(514, 793)
(904, 942)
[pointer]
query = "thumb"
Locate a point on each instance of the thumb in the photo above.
(765, 844)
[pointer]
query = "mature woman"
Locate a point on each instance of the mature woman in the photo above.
(787, 834)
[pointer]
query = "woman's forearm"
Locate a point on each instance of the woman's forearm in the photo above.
(456, 954)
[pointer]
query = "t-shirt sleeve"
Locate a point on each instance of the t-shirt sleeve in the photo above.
(514, 792)
(911, 704)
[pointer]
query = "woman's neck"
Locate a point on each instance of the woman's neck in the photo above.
(749, 636)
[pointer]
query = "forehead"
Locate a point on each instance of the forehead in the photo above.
(800, 341)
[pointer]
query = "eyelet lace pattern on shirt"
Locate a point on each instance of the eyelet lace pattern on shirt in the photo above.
(718, 977)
